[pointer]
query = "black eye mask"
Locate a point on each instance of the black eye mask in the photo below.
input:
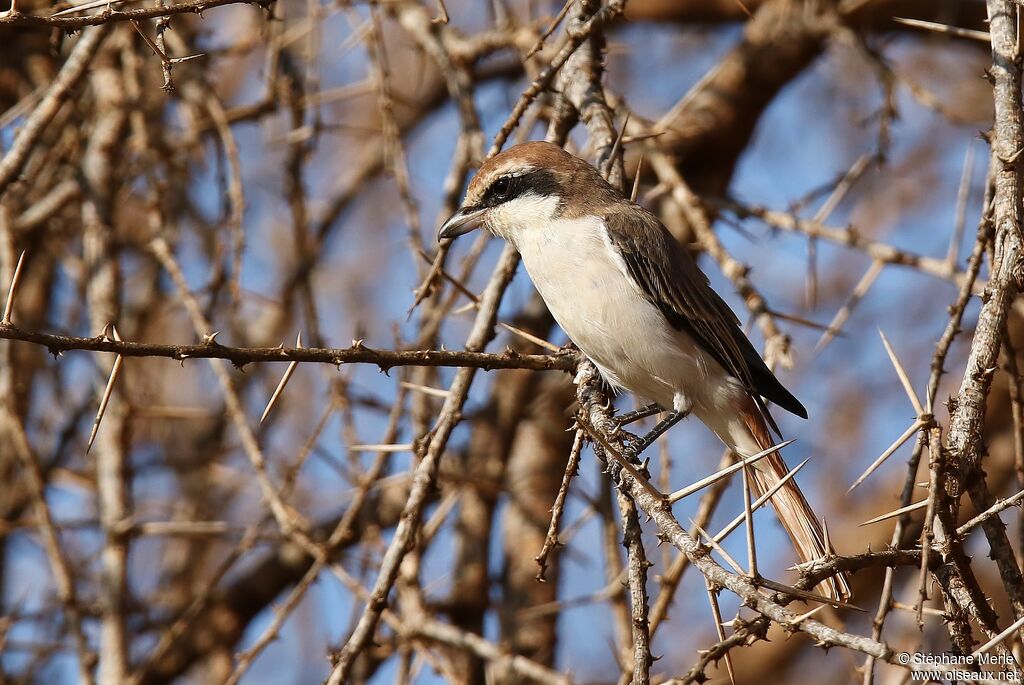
(540, 182)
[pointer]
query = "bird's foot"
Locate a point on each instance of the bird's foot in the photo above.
(633, 445)
(637, 414)
(636, 445)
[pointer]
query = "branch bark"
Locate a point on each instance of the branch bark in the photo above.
(240, 356)
(966, 449)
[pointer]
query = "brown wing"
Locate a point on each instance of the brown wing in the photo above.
(672, 281)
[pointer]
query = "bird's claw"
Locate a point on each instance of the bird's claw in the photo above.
(632, 446)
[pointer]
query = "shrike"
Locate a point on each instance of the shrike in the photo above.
(640, 309)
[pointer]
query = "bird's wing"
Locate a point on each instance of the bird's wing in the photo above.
(672, 281)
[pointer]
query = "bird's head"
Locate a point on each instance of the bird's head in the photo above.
(525, 188)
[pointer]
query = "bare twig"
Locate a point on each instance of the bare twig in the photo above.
(551, 539)
(426, 472)
(240, 356)
(111, 15)
(70, 75)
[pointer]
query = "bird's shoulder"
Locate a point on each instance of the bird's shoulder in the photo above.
(660, 265)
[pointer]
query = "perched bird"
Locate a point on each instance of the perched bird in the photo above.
(638, 306)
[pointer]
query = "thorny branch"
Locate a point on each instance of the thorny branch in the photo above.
(357, 353)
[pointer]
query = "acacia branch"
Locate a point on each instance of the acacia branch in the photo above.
(1007, 141)
(966, 431)
(594, 408)
(70, 75)
(112, 16)
(357, 353)
(425, 474)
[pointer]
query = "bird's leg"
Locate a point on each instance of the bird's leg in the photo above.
(637, 414)
(635, 448)
(633, 444)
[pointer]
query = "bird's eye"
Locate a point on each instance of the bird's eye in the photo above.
(502, 187)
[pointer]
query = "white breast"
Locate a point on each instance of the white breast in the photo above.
(584, 283)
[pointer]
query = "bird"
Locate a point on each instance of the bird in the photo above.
(637, 305)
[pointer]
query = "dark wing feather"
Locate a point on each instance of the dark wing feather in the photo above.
(671, 280)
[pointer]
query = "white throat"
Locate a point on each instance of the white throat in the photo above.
(525, 214)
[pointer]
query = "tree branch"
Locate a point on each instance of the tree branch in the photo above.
(358, 353)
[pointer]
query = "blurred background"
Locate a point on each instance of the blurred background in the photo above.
(280, 168)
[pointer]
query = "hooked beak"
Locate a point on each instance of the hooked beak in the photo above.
(462, 221)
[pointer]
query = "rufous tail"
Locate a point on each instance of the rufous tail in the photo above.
(751, 435)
